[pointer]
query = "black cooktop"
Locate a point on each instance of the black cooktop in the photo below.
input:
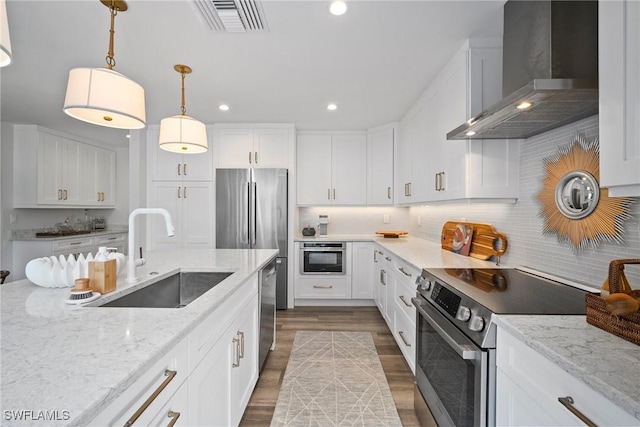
(512, 291)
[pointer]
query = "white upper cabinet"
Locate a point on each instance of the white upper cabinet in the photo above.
(253, 146)
(443, 170)
(380, 165)
(331, 169)
(52, 169)
(167, 166)
(619, 68)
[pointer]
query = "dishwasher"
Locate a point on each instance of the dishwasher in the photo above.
(267, 309)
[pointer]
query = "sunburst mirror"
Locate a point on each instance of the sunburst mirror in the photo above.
(574, 207)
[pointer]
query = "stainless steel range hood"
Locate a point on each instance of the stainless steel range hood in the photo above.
(550, 61)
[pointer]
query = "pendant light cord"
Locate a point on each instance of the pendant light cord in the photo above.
(111, 62)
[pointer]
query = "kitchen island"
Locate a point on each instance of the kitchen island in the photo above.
(68, 363)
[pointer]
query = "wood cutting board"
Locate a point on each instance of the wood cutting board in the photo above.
(485, 242)
(391, 233)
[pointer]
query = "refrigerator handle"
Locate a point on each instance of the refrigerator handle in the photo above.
(250, 214)
(255, 210)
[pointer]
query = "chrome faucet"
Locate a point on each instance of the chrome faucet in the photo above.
(132, 263)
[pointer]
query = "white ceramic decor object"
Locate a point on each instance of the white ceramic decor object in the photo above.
(61, 272)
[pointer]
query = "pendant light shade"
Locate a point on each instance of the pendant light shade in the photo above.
(181, 133)
(102, 96)
(105, 97)
(5, 40)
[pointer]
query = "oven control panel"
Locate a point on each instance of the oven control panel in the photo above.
(446, 299)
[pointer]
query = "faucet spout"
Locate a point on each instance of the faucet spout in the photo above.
(131, 261)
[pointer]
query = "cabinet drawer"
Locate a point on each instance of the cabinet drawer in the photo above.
(133, 398)
(72, 244)
(406, 273)
(110, 239)
(544, 382)
(402, 296)
(405, 334)
(323, 287)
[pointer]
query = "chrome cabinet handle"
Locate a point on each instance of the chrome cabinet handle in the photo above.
(170, 376)
(236, 364)
(404, 340)
(402, 270)
(328, 193)
(75, 243)
(179, 192)
(59, 194)
(383, 277)
(323, 286)
(184, 169)
(65, 194)
(179, 168)
(388, 192)
(184, 192)
(241, 335)
(334, 194)
(174, 418)
(404, 300)
(568, 403)
(255, 157)
(409, 186)
(249, 156)
(387, 258)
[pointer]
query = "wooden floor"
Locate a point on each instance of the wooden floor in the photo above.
(399, 376)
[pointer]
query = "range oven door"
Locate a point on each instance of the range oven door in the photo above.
(452, 373)
(323, 258)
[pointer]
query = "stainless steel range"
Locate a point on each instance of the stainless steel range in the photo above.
(456, 341)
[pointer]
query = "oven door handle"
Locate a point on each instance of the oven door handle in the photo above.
(465, 351)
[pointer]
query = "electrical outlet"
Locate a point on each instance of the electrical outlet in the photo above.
(13, 218)
(385, 218)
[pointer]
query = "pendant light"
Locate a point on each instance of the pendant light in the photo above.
(181, 133)
(5, 40)
(102, 96)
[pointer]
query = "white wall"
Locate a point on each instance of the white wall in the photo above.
(353, 220)
(523, 225)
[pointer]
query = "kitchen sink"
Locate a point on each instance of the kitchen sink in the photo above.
(175, 291)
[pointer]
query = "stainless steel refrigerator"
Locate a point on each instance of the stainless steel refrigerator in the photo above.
(251, 213)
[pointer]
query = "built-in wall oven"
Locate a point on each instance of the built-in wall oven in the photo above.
(323, 258)
(456, 341)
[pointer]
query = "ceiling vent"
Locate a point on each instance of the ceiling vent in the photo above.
(232, 16)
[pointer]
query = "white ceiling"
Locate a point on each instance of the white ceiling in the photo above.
(374, 61)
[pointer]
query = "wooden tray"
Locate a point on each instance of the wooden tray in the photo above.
(391, 233)
(485, 243)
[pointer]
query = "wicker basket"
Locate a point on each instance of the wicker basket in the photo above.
(627, 327)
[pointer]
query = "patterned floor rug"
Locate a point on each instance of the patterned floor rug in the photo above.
(334, 379)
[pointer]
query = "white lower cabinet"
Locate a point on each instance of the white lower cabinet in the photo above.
(362, 281)
(216, 370)
(320, 287)
(528, 387)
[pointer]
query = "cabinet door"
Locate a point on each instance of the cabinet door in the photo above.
(619, 67)
(349, 170)
(313, 169)
(245, 375)
(210, 387)
(402, 163)
(50, 169)
(197, 215)
(177, 407)
(105, 177)
(166, 195)
(434, 164)
(380, 167)
(235, 148)
(362, 281)
(271, 148)
(163, 165)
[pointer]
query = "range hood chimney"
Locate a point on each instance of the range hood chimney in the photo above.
(550, 60)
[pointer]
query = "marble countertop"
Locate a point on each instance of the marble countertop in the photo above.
(30, 235)
(79, 359)
(606, 363)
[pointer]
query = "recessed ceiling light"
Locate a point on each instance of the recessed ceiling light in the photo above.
(338, 7)
(223, 107)
(523, 105)
(471, 133)
(332, 107)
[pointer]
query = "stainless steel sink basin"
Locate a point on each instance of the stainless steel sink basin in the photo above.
(175, 291)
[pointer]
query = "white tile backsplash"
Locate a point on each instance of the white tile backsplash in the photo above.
(353, 220)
